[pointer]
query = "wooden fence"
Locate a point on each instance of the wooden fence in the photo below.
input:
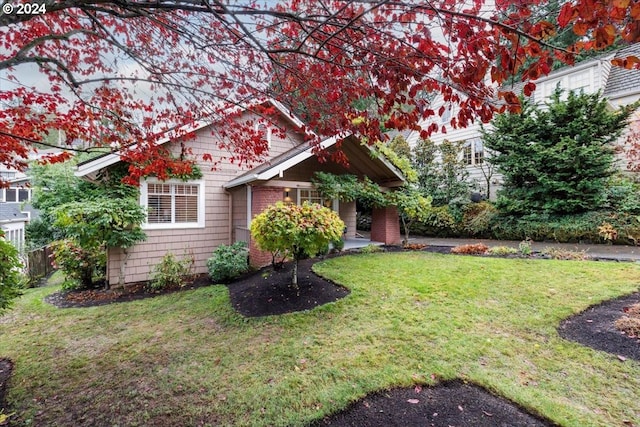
(39, 263)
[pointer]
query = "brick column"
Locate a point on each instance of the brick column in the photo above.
(261, 197)
(385, 226)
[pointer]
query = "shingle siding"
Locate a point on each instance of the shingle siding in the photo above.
(197, 242)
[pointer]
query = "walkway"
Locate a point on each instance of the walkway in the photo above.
(612, 252)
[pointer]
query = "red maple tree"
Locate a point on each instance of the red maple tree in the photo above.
(121, 74)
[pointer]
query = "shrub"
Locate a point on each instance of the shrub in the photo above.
(171, 272)
(10, 276)
(622, 195)
(477, 217)
(524, 247)
(607, 232)
(439, 222)
(474, 249)
(79, 265)
(564, 254)
(228, 262)
(630, 322)
(338, 245)
(370, 249)
(295, 231)
(502, 251)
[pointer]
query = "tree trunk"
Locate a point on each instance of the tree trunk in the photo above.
(123, 267)
(294, 273)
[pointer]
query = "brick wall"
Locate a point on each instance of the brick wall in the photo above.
(261, 197)
(385, 226)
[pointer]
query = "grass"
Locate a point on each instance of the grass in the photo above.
(189, 359)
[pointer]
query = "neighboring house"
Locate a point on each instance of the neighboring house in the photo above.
(18, 190)
(13, 222)
(14, 215)
(618, 85)
(192, 218)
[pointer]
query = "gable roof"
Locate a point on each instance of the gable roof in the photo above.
(296, 156)
(622, 80)
(92, 166)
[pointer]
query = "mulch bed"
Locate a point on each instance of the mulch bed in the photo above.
(102, 296)
(269, 291)
(453, 403)
(595, 328)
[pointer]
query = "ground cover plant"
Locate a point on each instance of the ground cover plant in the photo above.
(411, 318)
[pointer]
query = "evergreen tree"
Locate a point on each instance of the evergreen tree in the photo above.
(442, 173)
(555, 159)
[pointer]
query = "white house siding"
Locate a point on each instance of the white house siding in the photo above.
(592, 76)
(14, 232)
(198, 243)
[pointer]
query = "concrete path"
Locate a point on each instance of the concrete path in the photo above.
(613, 252)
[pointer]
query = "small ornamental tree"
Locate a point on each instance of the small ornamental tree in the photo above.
(109, 223)
(295, 231)
(9, 274)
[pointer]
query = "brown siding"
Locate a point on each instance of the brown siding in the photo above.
(348, 215)
(196, 242)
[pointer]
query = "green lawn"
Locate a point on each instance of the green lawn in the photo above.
(189, 359)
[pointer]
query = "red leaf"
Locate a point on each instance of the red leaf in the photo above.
(567, 13)
(529, 88)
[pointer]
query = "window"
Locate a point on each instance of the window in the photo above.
(581, 81)
(15, 194)
(313, 196)
(473, 152)
(7, 174)
(266, 132)
(173, 204)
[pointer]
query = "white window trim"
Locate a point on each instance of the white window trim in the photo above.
(173, 226)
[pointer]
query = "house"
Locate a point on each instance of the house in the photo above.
(12, 223)
(14, 215)
(192, 218)
(618, 85)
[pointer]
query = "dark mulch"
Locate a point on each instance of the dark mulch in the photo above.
(595, 328)
(102, 296)
(6, 366)
(270, 291)
(454, 403)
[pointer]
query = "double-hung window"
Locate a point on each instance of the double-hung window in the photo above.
(173, 204)
(473, 152)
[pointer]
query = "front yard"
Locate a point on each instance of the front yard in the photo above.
(411, 318)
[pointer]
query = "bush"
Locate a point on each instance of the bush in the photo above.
(440, 222)
(228, 262)
(10, 275)
(370, 249)
(564, 254)
(338, 245)
(502, 251)
(79, 265)
(474, 249)
(171, 272)
(476, 219)
(580, 228)
(622, 195)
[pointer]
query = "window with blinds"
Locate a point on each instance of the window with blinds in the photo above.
(172, 203)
